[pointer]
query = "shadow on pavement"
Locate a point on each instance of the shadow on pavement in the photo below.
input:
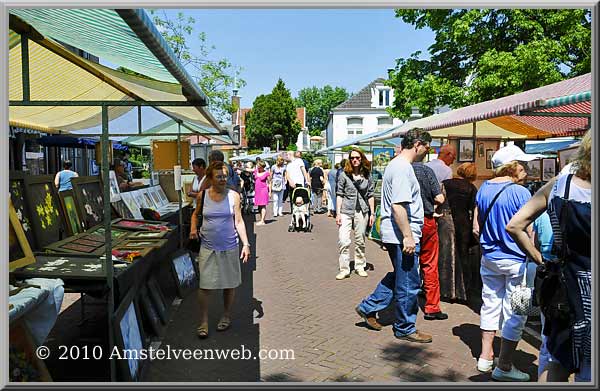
(413, 356)
(242, 336)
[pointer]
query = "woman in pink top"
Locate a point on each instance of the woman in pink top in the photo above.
(262, 190)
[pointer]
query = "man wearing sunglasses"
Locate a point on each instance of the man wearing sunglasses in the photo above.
(401, 223)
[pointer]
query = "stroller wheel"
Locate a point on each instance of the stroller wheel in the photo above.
(290, 228)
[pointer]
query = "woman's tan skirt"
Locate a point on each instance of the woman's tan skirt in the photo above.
(219, 269)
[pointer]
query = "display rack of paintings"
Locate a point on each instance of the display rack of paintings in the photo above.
(78, 244)
(122, 209)
(132, 204)
(19, 251)
(17, 196)
(149, 312)
(72, 219)
(158, 299)
(129, 337)
(65, 266)
(88, 194)
(144, 243)
(140, 225)
(43, 203)
(185, 273)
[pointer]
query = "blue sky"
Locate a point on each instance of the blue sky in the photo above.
(305, 47)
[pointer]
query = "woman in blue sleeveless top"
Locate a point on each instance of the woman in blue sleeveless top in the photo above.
(62, 180)
(219, 257)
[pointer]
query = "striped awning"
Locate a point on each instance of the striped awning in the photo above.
(555, 110)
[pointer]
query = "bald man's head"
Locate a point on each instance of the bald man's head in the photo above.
(447, 154)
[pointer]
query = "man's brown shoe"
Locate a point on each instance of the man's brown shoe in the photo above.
(371, 321)
(417, 336)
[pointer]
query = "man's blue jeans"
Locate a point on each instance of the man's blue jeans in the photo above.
(401, 285)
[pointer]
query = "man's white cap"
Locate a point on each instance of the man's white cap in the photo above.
(511, 153)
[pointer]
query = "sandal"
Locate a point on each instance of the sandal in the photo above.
(223, 324)
(202, 331)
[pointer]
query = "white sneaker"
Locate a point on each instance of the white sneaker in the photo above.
(361, 272)
(342, 275)
(484, 365)
(509, 376)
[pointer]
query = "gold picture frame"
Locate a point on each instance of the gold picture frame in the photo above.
(16, 237)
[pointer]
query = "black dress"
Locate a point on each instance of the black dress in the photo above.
(459, 267)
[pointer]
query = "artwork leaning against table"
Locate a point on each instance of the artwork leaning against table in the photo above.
(129, 338)
(42, 201)
(16, 188)
(122, 210)
(185, 273)
(19, 251)
(88, 194)
(132, 204)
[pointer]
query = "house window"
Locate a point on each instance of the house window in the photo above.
(354, 126)
(384, 123)
(384, 97)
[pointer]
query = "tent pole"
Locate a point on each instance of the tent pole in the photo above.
(25, 67)
(179, 190)
(107, 236)
(139, 119)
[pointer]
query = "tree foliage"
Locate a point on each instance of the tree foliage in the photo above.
(215, 77)
(483, 54)
(318, 103)
(272, 114)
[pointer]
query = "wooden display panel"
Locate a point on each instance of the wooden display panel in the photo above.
(164, 154)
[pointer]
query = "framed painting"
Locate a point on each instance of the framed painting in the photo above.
(16, 188)
(115, 192)
(140, 225)
(42, 201)
(565, 155)
(144, 243)
(140, 199)
(466, 150)
(132, 204)
(19, 251)
(23, 362)
(88, 194)
(158, 300)
(149, 312)
(155, 197)
(143, 235)
(78, 244)
(480, 150)
(97, 233)
(533, 169)
(122, 209)
(185, 273)
(548, 169)
(72, 220)
(488, 158)
(382, 156)
(162, 195)
(64, 266)
(129, 337)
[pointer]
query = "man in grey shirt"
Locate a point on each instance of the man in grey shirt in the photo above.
(401, 222)
(441, 165)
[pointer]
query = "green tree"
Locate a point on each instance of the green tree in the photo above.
(318, 103)
(272, 114)
(215, 77)
(483, 54)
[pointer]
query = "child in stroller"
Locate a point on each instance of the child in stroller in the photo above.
(300, 210)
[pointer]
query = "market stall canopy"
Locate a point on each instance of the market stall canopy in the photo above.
(362, 139)
(556, 110)
(124, 37)
(168, 131)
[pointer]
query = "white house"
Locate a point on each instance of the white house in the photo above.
(365, 112)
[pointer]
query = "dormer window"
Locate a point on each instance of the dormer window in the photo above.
(384, 97)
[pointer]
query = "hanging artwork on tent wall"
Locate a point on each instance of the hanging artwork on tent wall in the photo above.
(548, 169)
(16, 188)
(42, 201)
(19, 251)
(73, 222)
(88, 194)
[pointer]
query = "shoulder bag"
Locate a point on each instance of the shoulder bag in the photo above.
(194, 244)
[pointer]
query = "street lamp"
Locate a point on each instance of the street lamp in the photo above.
(278, 137)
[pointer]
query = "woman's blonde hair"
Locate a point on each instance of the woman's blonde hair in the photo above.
(508, 169)
(583, 158)
(279, 160)
(318, 162)
(467, 171)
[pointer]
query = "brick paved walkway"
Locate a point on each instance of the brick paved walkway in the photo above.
(290, 299)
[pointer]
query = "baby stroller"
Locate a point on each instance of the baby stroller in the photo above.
(247, 192)
(300, 213)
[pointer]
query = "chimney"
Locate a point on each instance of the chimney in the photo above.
(235, 102)
(414, 114)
